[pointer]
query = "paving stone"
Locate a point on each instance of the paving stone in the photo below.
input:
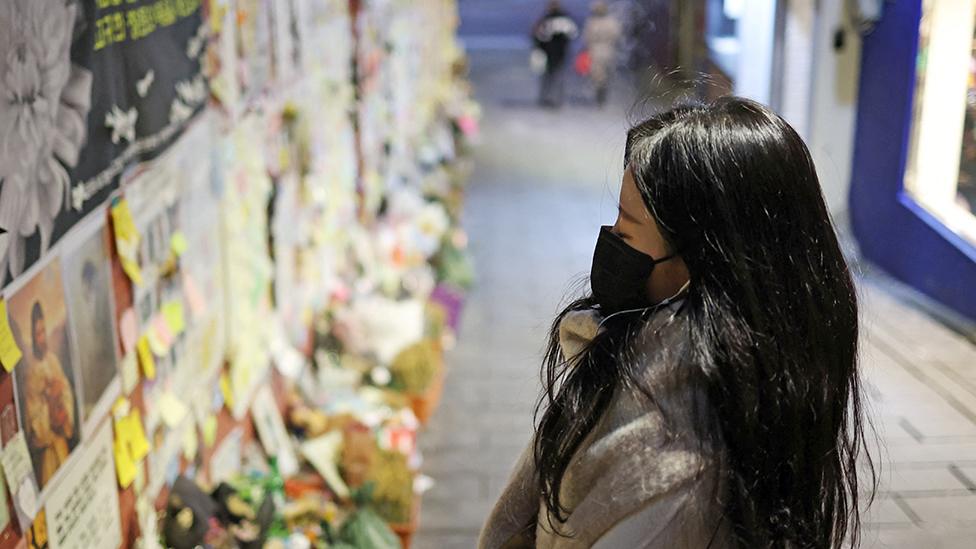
(923, 480)
(944, 509)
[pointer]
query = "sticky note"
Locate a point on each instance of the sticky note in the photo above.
(178, 243)
(209, 429)
(125, 227)
(173, 316)
(125, 467)
(193, 295)
(191, 442)
(146, 358)
(171, 409)
(128, 330)
(131, 268)
(160, 335)
(121, 408)
(136, 436)
(126, 239)
(10, 353)
(131, 445)
(226, 390)
(130, 373)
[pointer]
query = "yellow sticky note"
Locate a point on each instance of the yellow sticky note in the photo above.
(134, 436)
(126, 239)
(171, 409)
(209, 429)
(125, 468)
(121, 409)
(130, 445)
(131, 268)
(173, 316)
(122, 222)
(130, 373)
(178, 243)
(146, 358)
(10, 353)
(191, 442)
(227, 391)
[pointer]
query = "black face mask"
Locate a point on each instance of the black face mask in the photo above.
(618, 278)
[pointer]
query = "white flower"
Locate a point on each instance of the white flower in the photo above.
(196, 42)
(44, 103)
(381, 376)
(179, 111)
(142, 85)
(122, 123)
(192, 92)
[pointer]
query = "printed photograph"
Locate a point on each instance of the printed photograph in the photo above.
(87, 284)
(47, 396)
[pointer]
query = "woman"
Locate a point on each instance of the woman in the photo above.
(707, 393)
(601, 34)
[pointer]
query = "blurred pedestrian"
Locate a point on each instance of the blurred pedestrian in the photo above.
(552, 34)
(601, 33)
(706, 393)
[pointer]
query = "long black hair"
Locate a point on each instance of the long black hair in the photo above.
(772, 327)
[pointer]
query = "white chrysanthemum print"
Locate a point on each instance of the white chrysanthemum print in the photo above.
(122, 123)
(142, 85)
(44, 102)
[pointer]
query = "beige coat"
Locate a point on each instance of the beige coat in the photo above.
(601, 34)
(630, 485)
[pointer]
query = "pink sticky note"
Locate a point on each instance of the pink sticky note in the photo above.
(162, 332)
(469, 125)
(194, 297)
(128, 330)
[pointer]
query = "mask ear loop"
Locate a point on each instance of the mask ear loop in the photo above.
(652, 308)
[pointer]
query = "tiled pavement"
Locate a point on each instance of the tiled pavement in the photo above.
(543, 184)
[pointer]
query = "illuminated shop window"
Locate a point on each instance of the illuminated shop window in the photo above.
(721, 34)
(941, 171)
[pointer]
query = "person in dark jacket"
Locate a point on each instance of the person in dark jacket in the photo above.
(552, 34)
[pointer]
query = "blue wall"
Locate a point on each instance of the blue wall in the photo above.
(892, 229)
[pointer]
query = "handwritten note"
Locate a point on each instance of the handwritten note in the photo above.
(83, 509)
(10, 353)
(16, 462)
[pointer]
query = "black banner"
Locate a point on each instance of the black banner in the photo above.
(87, 88)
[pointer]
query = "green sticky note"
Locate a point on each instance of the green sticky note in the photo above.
(178, 243)
(173, 315)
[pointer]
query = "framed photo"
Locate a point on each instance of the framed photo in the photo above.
(45, 385)
(86, 269)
